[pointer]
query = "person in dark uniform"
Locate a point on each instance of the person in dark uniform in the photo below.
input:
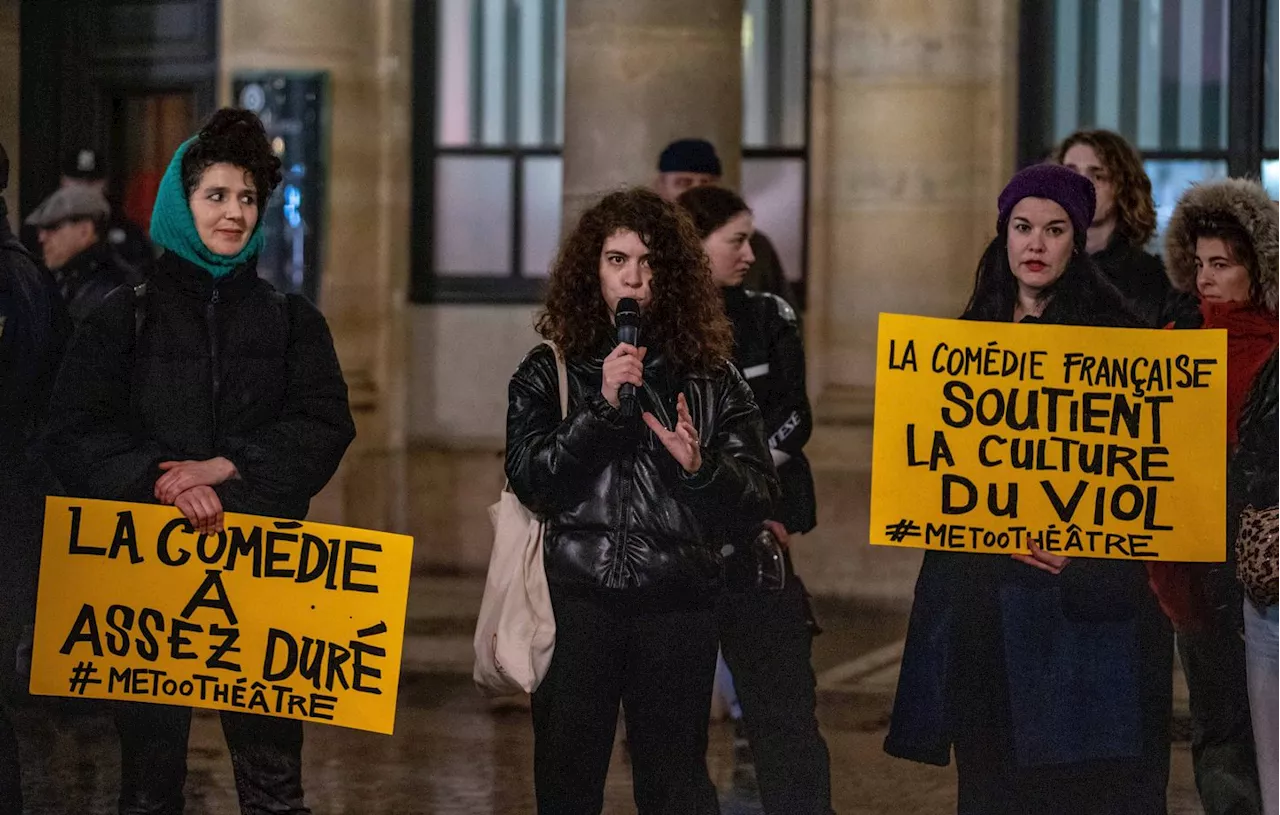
(72, 228)
(766, 636)
(1123, 223)
(84, 167)
(33, 330)
(688, 163)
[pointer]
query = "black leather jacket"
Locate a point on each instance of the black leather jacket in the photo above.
(1252, 476)
(770, 354)
(622, 514)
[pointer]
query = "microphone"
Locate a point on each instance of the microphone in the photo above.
(627, 320)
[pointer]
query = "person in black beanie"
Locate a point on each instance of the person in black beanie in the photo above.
(33, 329)
(688, 163)
(766, 636)
(1050, 678)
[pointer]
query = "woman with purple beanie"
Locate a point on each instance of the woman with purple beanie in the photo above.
(1048, 677)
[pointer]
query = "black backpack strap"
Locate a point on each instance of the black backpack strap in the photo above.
(282, 300)
(139, 309)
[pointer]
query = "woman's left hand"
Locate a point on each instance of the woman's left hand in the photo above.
(683, 442)
(1040, 559)
(181, 476)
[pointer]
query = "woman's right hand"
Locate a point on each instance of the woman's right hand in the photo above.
(625, 365)
(202, 508)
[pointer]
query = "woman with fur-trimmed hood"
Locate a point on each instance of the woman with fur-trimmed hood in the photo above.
(1221, 245)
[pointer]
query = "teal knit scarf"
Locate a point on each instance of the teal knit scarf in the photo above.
(174, 228)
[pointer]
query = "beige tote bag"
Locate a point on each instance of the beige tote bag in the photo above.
(516, 631)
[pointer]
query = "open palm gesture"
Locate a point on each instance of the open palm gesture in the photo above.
(683, 442)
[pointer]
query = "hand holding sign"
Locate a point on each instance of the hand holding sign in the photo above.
(181, 476)
(203, 509)
(1042, 560)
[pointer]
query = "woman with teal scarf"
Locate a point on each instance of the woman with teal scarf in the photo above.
(209, 391)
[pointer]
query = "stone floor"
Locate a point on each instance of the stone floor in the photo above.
(454, 753)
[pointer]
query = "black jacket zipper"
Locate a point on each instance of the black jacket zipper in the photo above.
(624, 522)
(211, 324)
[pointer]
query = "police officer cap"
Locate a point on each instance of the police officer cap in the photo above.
(85, 164)
(690, 156)
(70, 203)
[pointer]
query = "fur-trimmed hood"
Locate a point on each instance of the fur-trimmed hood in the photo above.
(1240, 199)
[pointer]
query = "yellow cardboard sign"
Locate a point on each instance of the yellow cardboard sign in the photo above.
(282, 618)
(1090, 442)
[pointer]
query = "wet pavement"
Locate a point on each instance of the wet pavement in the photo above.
(456, 753)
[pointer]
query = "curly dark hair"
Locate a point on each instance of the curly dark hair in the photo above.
(711, 207)
(1135, 207)
(236, 137)
(685, 318)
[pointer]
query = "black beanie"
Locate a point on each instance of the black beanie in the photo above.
(690, 156)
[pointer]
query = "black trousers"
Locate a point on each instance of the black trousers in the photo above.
(10, 769)
(767, 643)
(11, 684)
(655, 658)
(266, 757)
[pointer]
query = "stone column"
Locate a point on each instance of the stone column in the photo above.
(9, 96)
(912, 138)
(365, 45)
(918, 101)
(639, 75)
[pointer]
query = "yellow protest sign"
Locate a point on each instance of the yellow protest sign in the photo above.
(283, 618)
(1090, 442)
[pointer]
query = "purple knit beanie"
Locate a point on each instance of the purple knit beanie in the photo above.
(1070, 190)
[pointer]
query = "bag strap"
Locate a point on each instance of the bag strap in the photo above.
(562, 374)
(139, 309)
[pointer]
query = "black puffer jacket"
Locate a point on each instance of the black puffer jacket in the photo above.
(33, 330)
(226, 368)
(768, 350)
(622, 513)
(86, 280)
